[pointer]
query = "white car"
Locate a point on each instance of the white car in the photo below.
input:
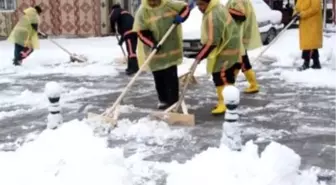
(269, 22)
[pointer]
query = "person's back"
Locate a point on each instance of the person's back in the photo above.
(122, 18)
(124, 22)
(24, 36)
(220, 38)
(152, 20)
(225, 35)
(244, 15)
(309, 13)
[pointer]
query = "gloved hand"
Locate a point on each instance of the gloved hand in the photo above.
(178, 19)
(191, 5)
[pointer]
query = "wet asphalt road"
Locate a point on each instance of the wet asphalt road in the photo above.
(300, 117)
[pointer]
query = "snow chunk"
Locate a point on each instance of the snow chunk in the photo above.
(68, 155)
(277, 165)
(53, 89)
(147, 130)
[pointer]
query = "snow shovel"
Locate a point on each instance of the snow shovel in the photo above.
(73, 57)
(170, 115)
(183, 78)
(111, 114)
(122, 49)
(275, 39)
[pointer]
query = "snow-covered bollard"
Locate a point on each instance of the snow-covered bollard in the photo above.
(53, 92)
(231, 134)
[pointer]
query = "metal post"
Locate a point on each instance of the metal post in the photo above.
(53, 92)
(231, 133)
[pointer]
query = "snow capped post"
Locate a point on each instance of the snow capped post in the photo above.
(231, 134)
(53, 92)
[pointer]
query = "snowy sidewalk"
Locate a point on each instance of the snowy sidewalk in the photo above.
(293, 108)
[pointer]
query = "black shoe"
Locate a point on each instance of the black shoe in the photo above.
(316, 65)
(163, 105)
(17, 62)
(304, 66)
(131, 72)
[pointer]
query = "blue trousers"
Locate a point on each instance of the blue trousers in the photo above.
(21, 52)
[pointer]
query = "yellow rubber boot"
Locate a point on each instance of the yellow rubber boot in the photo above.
(220, 107)
(251, 78)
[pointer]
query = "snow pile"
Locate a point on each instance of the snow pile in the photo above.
(277, 165)
(68, 155)
(153, 132)
(311, 77)
(72, 154)
(53, 89)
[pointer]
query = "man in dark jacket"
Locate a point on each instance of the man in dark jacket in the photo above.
(124, 22)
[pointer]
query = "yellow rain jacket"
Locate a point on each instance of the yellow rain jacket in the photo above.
(250, 34)
(310, 25)
(158, 20)
(23, 33)
(218, 28)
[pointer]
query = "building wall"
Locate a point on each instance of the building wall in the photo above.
(5, 24)
(63, 17)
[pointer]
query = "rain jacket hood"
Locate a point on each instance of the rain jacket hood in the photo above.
(145, 4)
(211, 5)
(23, 32)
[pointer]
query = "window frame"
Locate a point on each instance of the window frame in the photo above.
(9, 10)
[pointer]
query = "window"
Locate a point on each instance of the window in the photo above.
(7, 5)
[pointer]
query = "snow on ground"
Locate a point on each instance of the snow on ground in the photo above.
(287, 54)
(72, 154)
(96, 49)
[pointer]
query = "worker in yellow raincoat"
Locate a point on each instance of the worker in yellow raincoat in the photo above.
(309, 14)
(25, 34)
(243, 13)
(220, 37)
(152, 20)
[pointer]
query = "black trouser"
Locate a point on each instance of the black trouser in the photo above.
(225, 76)
(310, 54)
(167, 85)
(21, 52)
(244, 64)
(131, 45)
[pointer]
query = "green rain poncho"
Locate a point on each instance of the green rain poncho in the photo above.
(158, 20)
(218, 28)
(249, 28)
(23, 33)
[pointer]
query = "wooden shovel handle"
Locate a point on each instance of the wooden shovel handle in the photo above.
(142, 68)
(118, 39)
(275, 39)
(185, 85)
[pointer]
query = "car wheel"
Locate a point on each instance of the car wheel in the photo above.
(271, 34)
